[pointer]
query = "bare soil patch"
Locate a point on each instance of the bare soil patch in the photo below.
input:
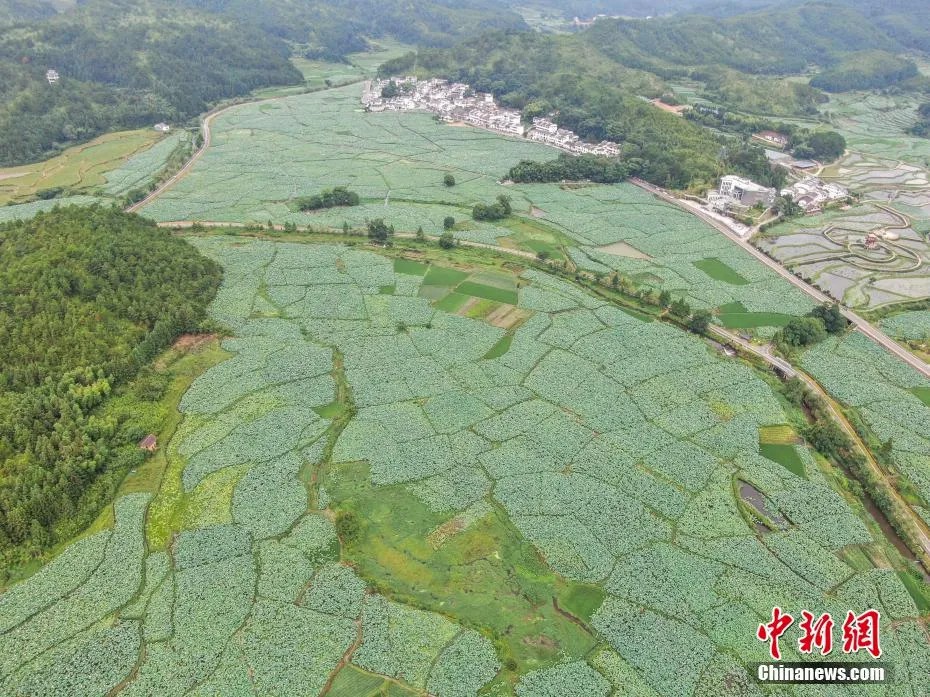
(192, 342)
(507, 316)
(622, 249)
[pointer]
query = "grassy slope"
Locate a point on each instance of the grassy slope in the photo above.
(77, 169)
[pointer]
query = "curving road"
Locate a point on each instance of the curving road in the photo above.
(858, 322)
(181, 173)
(207, 139)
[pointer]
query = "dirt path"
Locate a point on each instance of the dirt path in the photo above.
(765, 353)
(402, 235)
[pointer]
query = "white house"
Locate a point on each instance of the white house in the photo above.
(52, 76)
(743, 192)
(812, 193)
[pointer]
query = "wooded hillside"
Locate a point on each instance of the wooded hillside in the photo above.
(88, 296)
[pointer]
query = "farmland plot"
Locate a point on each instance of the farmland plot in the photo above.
(612, 445)
(25, 211)
(876, 124)
(914, 325)
(81, 168)
(143, 167)
(829, 250)
(673, 240)
(264, 155)
(886, 394)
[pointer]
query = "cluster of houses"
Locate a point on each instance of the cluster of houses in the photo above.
(771, 138)
(579, 23)
(813, 194)
(737, 194)
(457, 102)
(548, 132)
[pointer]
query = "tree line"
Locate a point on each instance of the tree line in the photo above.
(330, 198)
(831, 440)
(603, 170)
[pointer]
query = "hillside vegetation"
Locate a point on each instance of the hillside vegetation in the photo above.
(12, 11)
(123, 66)
(865, 70)
(775, 41)
(88, 296)
(130, 64)
(541, 73)
(333, 28)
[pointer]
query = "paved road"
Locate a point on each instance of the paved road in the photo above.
(181, 173)
(207, 139)
(861, 324)
(858, 322)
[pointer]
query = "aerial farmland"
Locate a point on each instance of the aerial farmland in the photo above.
(437, 433)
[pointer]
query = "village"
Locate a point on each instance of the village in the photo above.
(456, 102)
(737, 195)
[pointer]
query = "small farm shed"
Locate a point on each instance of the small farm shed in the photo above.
(149, 443)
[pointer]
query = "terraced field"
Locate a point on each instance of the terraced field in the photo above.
(82, 168)
(360, 499)
(830, 251)
(876, 124)
(888, 169)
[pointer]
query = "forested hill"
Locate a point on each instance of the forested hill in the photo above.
(12, 11)
(333, 28)
(132, 63)
(779, 40)
(645, 8)
(123, 65)
(596, 98)
(851, 44)
(88, 296)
